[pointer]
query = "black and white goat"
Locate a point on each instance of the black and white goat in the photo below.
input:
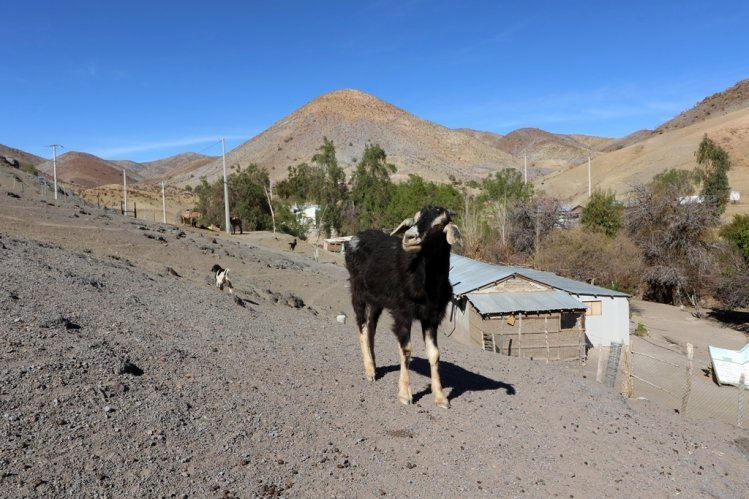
(408, 276)
(222, 278)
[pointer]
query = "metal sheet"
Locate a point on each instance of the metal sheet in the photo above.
(509, 303)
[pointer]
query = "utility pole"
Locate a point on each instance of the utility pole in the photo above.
(163, 200)
(124, 188)
(226, 188)
(588, 175)
(525, 167)
(54, 165)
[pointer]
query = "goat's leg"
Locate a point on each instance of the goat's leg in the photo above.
(366, 318)
(433, 353)
(404, 383)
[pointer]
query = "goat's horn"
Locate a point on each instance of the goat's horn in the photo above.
(403, 226)
(453, 234)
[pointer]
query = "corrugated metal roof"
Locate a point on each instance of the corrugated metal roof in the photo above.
(509, 303)
(467, 275)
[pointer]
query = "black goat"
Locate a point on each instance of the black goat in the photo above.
(236, 223)
(410, 278)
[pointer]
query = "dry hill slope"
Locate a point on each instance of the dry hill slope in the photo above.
(351, 119)
(125, 373)
(636, 164)
(86, 170)
(9, 154)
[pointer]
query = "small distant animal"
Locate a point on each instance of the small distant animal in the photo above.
(292, 244)
(190, 217)
(222, 278)
(236, 223)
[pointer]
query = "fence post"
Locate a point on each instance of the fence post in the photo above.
(628, 387)
(603, 353)
(688, 385)
(613, 365)
(740, 412)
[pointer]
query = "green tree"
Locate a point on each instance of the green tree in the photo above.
(714, 164)
(737, 233)
(676, 180)
(247, 198)
(602, 213)
(410, 196)
(302, 184)
(371, 188)
(333, 192)
(506, 185)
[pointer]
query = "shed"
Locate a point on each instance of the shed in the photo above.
(336, 244)
(557, 314)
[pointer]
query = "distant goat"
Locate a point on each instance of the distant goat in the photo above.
(409, 278)
(292, 244)
(222, 278)
(236, 223)
(190, 217)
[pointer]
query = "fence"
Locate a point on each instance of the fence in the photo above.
(674, 378)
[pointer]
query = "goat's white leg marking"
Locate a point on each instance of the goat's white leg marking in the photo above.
(404, 384)
(366, 340)
(434, 362)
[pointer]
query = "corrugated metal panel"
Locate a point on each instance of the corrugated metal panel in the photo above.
(508, 303)
(566, 284)
(467, 275)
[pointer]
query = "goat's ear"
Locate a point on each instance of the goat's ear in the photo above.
(403, 227)
(453, 234)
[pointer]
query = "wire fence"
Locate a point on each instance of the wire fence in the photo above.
(675, 377)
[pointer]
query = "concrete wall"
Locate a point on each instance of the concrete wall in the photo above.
(613, 323)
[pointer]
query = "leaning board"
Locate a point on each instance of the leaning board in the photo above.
(728, 365)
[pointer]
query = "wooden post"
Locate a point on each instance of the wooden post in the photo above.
(628, 387)
(520, 336)
(603, 353)
(688, 385)
(546, 337)
(740, 412)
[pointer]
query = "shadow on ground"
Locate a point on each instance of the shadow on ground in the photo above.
(453, 376)
(733, 319)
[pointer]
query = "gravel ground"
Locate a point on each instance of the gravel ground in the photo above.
(125, 373)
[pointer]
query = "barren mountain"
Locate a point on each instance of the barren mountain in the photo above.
(623, 168)
(718, 104)
(163, 169)
(86, 170)
(351, 119)
(8, 155)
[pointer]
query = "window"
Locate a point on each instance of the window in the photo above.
(569, 320)
(594, 307)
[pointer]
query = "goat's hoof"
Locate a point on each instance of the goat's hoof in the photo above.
(369, 377)
(405, 400)
(445, 404)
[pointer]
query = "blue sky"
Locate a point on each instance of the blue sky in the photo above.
(144, 80)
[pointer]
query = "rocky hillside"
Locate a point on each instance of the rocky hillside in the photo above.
(17, 158)
(351, 119)
(86, 170)
(718, 104)
(180, 164)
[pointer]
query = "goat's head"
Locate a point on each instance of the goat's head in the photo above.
(427, 223)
